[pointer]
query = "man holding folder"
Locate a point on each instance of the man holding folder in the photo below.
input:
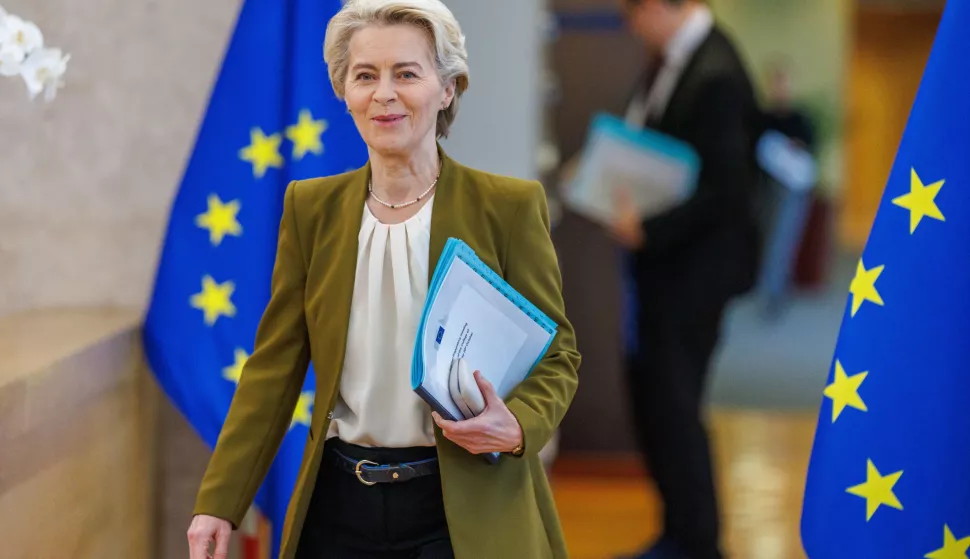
(688, 262)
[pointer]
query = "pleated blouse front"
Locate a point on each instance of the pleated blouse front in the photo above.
(376, 406)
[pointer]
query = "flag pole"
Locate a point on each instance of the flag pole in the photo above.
(249, 534)
(265, 537)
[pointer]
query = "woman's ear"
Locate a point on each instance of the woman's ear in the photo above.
(449, 94)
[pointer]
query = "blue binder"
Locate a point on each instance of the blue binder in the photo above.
(543, 329)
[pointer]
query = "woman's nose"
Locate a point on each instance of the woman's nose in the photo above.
(385, 91)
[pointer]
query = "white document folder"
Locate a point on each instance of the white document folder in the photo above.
(471, 313)
(658, 171)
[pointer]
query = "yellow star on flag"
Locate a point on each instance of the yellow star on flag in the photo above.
(220, 219)
(844, 391)
(263, 152)
(877, 490)
(952, 547)
(304, 410)
(215, 300)
(305, 135)
(920, 201)
(233, 372)
(863, 286)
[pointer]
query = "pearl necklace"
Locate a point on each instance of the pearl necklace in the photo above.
(370, 188)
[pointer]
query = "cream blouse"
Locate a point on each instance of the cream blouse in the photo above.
(376, 406)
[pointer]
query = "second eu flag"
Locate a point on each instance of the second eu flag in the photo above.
(888, 476)
(272, 117)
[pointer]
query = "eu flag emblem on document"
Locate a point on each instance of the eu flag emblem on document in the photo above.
(272, 117)
(889, 475)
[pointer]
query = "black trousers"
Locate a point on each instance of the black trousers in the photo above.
(350, 520)
(667, 378)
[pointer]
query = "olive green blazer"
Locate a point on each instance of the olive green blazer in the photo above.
(501, 511)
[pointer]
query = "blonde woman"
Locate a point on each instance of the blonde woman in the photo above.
(381, 475)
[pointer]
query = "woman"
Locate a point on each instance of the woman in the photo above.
(355, 256)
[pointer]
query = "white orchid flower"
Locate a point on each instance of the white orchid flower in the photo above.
(17, 38)
(16, 31)
(22, 53)
(11, 57)
(43, 70)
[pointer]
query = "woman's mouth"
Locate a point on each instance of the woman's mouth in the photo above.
(388, 120)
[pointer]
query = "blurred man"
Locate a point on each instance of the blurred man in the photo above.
(688, 263)
(781, 114)
(789, 207)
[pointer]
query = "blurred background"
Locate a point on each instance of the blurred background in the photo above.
(95, 462)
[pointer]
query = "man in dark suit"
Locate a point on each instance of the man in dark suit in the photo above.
(689, 262)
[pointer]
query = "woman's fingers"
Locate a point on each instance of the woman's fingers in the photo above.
(448, 429)
(474, 435)
(465, 427)
(198, 546)
(222, 544)
(203, 530)
(488, 391)
(198, 541)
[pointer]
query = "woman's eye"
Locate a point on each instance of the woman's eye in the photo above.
(408, 75)
(363, 76)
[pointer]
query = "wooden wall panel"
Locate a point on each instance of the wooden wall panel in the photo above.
(889, 53)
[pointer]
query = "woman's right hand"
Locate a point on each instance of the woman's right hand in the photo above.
(204, 529)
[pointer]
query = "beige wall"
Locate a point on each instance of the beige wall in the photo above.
(85, 182)
(77, 444)
(94, 461)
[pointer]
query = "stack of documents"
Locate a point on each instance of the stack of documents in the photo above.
(657, 170)
(471, 313)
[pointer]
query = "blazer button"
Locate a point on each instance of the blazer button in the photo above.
(330, 415)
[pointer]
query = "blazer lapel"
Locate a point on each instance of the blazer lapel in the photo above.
(347, 227)
(445, 220)
(338, 282)
(684, 85)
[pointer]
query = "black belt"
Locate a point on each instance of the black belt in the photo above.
(370, 473)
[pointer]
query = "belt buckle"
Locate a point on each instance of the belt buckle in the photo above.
(358, 471)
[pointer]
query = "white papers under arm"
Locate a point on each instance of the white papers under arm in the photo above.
(473, 314)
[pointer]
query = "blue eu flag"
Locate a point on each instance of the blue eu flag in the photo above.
(272, 117)
(889, 474)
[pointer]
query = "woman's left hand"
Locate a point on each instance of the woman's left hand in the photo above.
(494, 430)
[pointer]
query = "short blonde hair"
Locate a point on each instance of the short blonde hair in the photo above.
(444, 36)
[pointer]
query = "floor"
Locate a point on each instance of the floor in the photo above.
(782, 363)
(761, 458)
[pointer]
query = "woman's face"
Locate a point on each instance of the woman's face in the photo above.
(392, 88)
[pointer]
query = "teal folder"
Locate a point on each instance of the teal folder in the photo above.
(472, 313)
